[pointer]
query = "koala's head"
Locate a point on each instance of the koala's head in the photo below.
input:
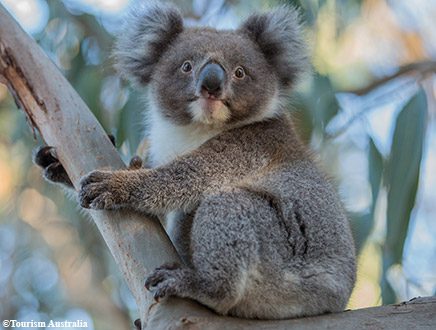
(211, 77)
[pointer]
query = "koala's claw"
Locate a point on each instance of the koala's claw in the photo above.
(135, 163)
(46, 158)
(95, 177)
(103, 202)
(56, 173)
(98, 191)
(113, 140)
(137, 324)
(163, 281)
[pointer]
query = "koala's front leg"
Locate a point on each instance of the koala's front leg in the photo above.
(180, 184)
(177, 185)
(141, 189)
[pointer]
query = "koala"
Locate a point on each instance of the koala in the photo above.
(259, 228)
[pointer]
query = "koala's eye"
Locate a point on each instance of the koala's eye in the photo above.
(187, 66)
(239, 73)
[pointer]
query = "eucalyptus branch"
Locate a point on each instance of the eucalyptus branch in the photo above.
(420, 68)
(52, 107)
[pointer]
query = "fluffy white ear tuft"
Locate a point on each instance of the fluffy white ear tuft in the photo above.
(148, 29)
(279, 36)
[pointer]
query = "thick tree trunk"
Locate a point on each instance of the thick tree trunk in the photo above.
(140, 244)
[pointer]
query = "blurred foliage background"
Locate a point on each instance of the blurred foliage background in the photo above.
(368, 110)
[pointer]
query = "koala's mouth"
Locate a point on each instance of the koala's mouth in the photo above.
(209, 109)
(210, 105)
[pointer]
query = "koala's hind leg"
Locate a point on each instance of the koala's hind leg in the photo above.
(224, 251)
(225, 246)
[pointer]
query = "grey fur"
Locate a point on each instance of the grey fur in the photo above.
(260, 229)
(269, 238)
(148, 29)
(279, 36)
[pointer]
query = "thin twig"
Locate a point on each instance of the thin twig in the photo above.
(412, 68)
(420, 70)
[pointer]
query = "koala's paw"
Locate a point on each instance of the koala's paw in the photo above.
(46, 158)
(166, 280)
(102, 190)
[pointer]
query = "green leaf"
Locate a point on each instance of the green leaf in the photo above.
(131, 123)
(322, 102)
(325, 106)
(361, 226)
(375, 171)
(401, 178)
(88, 85)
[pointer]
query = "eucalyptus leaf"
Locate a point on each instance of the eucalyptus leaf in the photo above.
(401, 179)
(327, 103)
(322, 102)
(131, 123)
(375, 171)
(361, 226)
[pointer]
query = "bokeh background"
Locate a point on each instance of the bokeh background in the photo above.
(368, 110)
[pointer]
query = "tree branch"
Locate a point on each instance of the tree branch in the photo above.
(421, 71)
(418, 313)
(64, 121)
(422, 68)
(140, 244)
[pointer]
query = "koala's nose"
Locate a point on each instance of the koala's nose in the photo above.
(211, 79)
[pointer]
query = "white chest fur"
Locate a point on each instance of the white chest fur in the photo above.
(168, 140)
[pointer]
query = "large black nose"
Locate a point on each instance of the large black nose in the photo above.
(211, 79)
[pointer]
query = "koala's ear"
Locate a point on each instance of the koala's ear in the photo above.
(279, 36)
(147, 31)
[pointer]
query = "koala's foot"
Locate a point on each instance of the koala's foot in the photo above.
(103, 190)
(173, 279)
(168, 280)
(46, 158)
